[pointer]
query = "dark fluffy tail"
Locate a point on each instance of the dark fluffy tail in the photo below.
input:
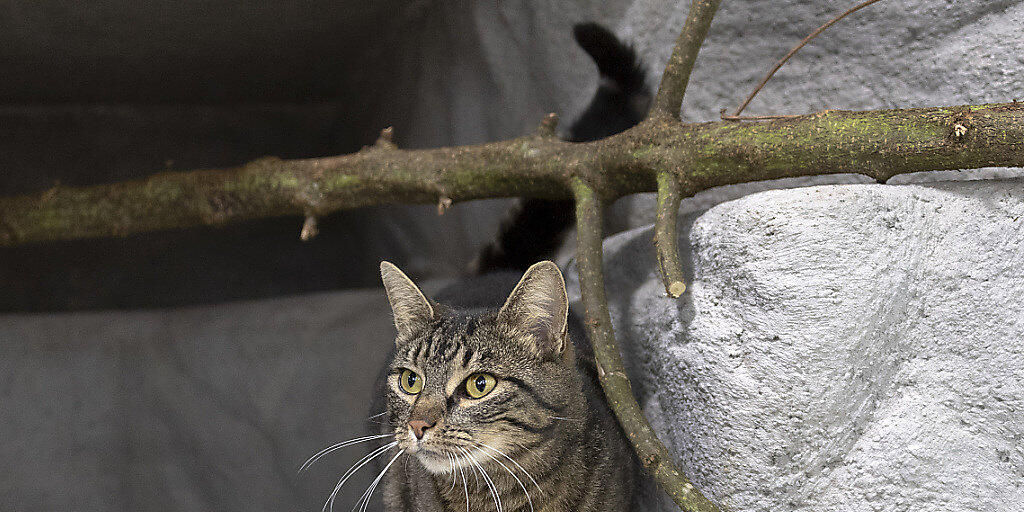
(533, 228)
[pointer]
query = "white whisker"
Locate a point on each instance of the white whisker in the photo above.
(487, 480)
(465, 485)
(476, 478)
(352, 470)
(320, 454)
(451, 459)
(513, 461)
(365, 498)
(520, 482)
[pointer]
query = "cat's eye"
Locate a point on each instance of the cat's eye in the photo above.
(410, 382)
(479, 384)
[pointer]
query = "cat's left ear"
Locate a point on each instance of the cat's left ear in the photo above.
(411, 308)
(539, 307)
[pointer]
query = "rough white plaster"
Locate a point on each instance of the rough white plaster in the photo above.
(840, 348)
(916, 53)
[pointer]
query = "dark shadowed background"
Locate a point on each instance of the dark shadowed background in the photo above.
(110, 404)
(96, 92)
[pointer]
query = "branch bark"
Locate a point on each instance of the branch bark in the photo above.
(666, 238)
(667, 103)
(652, 454)
(674, 80)
(879, 144)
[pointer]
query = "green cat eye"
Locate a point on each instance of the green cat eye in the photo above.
(411, 382)
(479, 384)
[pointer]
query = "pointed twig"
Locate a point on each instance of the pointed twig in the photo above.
(309, 228)
(386, 139)
(443, 203)
(548, 125)
(736, 115)
(652, 454)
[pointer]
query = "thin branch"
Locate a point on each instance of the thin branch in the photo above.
(669, 99)
(727, 117)
(667, 103)
(879, 144)
(612, 374)
(736, 115)
(666, 236)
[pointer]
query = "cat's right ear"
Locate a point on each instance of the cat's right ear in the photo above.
(410, 307)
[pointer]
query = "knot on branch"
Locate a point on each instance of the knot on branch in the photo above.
(547, 126)
(443, 203)
(221, 207)
(386, 139)
(960, 125)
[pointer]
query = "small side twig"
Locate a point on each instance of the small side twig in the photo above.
(667, 103)
(617, 388)
(665, 234)
(727, 117)
(736, 115)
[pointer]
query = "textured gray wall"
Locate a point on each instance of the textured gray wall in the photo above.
(849, 347)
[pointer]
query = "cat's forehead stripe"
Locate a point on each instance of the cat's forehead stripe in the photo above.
(445, 339)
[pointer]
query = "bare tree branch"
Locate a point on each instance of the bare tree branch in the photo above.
(666, 236)
(666, 105)
(669, 99)
(617, 387)
(879, 144)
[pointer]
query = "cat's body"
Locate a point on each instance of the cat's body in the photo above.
(546, 421)
(550, 417)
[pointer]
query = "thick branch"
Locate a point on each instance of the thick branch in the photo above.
(610, 370)
(879, 144)
(669, 99)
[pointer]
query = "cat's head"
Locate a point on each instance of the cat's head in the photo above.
(479, 385)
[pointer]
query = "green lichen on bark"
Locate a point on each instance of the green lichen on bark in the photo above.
(879, 144)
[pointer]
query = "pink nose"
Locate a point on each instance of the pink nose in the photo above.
(419, 427)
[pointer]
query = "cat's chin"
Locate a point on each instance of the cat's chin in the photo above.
(434, 462)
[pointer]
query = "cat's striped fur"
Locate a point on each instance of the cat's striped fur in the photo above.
(543, 436)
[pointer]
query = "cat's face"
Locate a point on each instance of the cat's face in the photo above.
(476, 387)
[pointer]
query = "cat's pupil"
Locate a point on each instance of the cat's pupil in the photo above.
(412, 379)
(481, 383)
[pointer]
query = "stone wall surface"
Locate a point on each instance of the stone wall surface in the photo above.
(918, 53)
(849, 347)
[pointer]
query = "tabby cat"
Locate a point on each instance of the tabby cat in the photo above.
(491, 403)
(498, 409)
